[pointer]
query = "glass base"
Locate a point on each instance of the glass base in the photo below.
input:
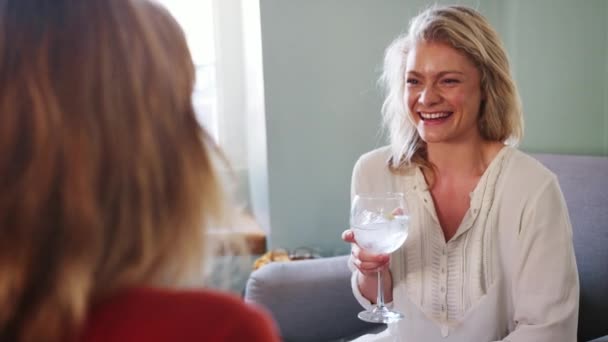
(380, 315)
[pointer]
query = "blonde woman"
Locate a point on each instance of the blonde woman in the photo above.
(489, 255)
(106, 180)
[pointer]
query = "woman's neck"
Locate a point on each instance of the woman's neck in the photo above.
(453, 160)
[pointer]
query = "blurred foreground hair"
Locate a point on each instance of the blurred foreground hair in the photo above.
(106, 178)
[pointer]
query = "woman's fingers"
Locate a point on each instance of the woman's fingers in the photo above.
(364, 256)
(397, 212)
(367, 263)
(348, 236)
(368, 266)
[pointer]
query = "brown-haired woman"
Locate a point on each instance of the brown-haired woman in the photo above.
(106, 179)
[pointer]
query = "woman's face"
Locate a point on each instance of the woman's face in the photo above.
(443, 93)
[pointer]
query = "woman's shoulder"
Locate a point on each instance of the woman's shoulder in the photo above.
(379, 156)
(166, 314)
(374, 162)
(524, 167)
(525, 173)
(190, 300)
(372, 165)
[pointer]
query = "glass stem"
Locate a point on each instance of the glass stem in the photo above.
(380, 299)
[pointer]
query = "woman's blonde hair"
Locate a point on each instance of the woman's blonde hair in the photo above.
(106, 178)
(467, 31)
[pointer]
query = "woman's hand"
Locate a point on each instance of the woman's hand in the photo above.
(367, 263)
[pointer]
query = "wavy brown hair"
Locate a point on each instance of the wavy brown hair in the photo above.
(106, 178)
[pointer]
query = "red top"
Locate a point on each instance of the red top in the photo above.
(154, 315)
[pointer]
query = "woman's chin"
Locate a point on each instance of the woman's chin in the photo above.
(431, 138)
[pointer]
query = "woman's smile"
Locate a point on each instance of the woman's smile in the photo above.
(434, 118)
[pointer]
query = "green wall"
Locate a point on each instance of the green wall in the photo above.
(559, 51)
(321, 59)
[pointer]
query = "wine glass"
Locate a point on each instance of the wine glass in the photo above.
(380, 223)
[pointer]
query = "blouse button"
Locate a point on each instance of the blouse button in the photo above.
(442, 289)
(442, 308)
(442, 270)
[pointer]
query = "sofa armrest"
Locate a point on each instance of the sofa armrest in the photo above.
(311, 300)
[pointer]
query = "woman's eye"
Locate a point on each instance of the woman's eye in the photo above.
(411, 81)
(451, 81)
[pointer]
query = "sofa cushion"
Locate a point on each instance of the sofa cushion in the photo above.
(601, 339)
(311, 300)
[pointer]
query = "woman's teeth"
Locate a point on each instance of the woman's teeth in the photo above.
(431, 116)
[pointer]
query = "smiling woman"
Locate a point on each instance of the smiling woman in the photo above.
(443, 93)
(499, 109)
(489, 255)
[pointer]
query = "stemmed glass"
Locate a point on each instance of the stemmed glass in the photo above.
(380, 223)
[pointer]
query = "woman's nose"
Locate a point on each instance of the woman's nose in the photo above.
(429, 96)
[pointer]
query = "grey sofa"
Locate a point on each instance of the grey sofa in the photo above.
(311, 300)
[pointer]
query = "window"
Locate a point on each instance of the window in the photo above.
(196, 19)
(225, 40)
(215, 33)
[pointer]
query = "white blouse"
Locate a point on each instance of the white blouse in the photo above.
(508, 273)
